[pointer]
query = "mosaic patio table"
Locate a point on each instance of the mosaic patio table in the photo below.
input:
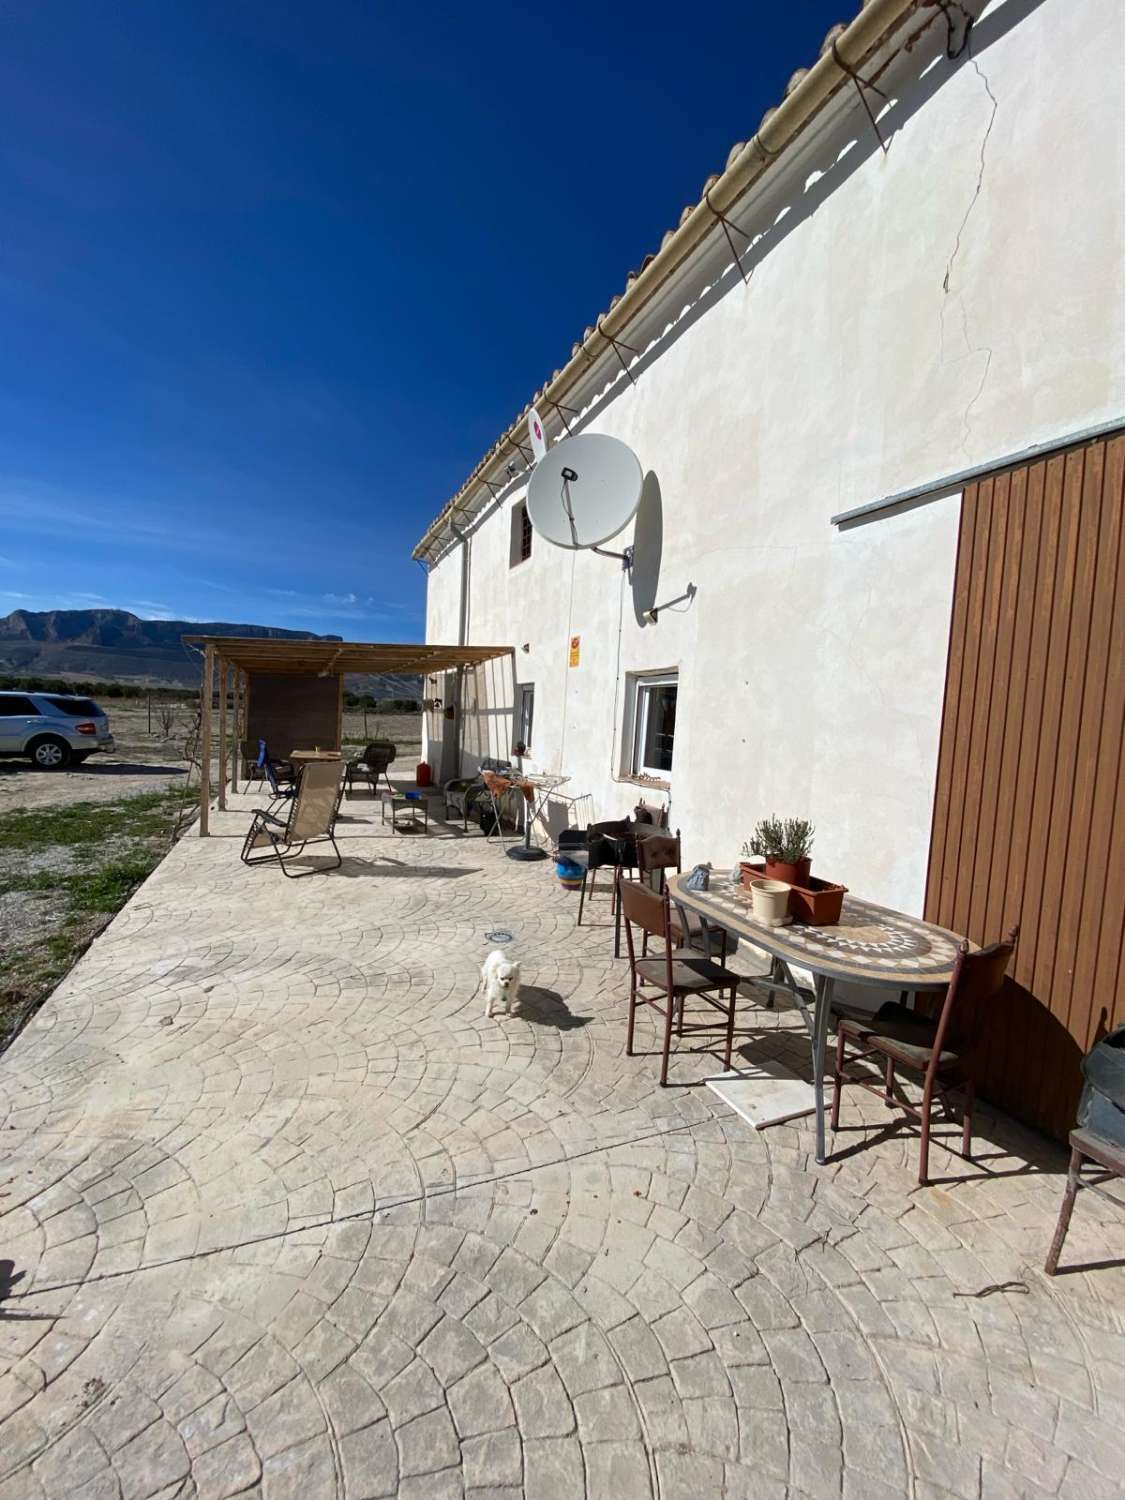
(870, 945)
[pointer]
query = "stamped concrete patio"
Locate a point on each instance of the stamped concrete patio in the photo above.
(286, 1215)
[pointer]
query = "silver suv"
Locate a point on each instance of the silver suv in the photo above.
(52, 729)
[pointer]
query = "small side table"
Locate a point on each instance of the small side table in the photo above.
(400, 804)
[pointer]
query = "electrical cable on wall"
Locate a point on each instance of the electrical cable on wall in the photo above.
(566, 667)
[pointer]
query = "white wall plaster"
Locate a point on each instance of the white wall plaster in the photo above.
(950, 301)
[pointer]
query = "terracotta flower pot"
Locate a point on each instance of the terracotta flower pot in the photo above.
(795, 874)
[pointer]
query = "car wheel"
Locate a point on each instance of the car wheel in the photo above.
(50, 753)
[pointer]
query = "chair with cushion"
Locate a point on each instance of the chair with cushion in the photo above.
(311, 820)
(1097, 1145)
(464, 794)
(941, 1053)
(374, 762)
(667, 980)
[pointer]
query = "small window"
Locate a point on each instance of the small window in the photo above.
(654, 724)
(77, 708)
(521, 536)
(14, 706)
(525, 716)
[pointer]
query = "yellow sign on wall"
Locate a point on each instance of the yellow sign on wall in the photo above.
(575, 649)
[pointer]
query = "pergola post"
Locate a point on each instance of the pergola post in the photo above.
(205, 741)
(236, 733)
(222, 735)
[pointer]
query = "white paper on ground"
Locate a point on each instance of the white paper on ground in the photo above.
(764, 1093)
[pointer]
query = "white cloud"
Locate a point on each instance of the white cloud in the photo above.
(149, 609)
(343, 599)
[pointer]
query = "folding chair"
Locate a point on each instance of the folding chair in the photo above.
(311, 820)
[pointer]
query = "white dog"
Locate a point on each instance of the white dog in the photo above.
(501, 982)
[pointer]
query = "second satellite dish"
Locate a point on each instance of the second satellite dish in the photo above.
(584, 490)
(536, 434)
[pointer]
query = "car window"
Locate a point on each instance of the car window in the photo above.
(12, 703)
(77, 708)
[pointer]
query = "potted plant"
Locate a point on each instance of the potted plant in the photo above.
(785, 845)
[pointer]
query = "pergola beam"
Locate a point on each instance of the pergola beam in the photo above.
(251, 654)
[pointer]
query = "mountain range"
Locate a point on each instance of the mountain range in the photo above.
(112, 645)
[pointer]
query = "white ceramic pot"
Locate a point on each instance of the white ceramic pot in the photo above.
(769, 901)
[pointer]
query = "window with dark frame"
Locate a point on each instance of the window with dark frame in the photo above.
(14, 705)
(526, 716)
(521, 536)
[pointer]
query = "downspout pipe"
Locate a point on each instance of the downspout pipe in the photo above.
(462, 640)
(463, 597)
(876, 22)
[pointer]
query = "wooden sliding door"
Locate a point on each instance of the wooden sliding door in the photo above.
(1028, 814)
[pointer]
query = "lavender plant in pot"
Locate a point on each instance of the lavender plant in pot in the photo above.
(786, 846)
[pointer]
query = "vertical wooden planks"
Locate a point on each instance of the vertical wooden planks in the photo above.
(1028, 819)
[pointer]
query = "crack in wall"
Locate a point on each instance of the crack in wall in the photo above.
(966, 418)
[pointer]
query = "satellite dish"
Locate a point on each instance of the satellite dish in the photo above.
(584, 490)
(536, 434)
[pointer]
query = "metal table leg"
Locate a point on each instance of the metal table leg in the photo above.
(825, 987)
(527, 850)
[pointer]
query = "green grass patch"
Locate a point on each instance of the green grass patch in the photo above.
(145, 816)
(119, 844)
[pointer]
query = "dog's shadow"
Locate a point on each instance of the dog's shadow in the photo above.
(542, 1007)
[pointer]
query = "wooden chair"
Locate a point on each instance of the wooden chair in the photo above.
(658, 852)
(941, 1052)
(1107, 1158)
(674, 975)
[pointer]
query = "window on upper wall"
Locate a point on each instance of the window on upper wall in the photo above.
(525, 715)
(520, 549)
(653, 702)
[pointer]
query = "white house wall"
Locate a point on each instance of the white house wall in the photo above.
(946, 303)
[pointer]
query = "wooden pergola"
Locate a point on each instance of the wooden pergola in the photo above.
(237, 658)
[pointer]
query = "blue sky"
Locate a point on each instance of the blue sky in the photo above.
(274, 276)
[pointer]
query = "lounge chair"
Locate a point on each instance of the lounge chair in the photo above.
(311, 820)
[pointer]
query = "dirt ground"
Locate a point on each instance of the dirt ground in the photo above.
(142, 762)
(146, 760)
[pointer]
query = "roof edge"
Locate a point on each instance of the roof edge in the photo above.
(845, 49)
